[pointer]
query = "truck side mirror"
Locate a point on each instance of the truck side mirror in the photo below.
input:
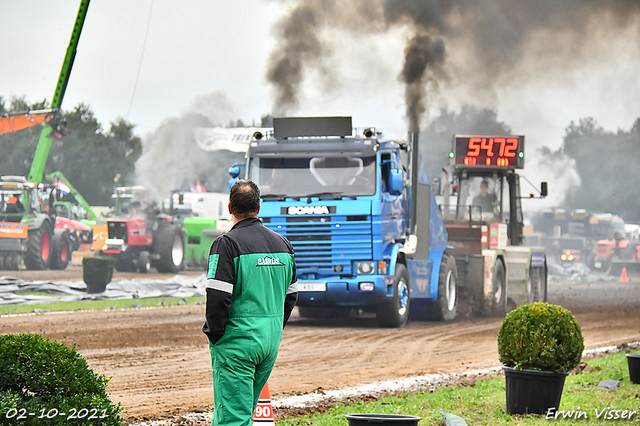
(543, 189)
(395, 182)
(234, 171)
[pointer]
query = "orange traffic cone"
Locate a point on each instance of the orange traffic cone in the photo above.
(263, 415)
(623, 277)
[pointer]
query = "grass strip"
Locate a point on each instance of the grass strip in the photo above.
(484, 402)
(85, 305)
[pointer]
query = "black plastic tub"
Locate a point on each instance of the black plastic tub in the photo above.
(634, 368)
(532, 391)
(385, 419)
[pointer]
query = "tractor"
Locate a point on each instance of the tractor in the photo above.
(27, 227)
(140, 235)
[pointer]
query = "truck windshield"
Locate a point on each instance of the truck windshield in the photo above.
(328, 176)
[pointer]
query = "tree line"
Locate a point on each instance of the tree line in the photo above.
(608, 163)
(89, 156)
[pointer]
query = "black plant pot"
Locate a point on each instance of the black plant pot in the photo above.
(634, 367)
(532, 391)
(382, 420)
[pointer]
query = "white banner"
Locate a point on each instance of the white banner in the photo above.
(234, 139)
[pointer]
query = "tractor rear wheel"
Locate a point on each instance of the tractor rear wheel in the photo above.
(60, 251)
(38, 254)
(169, 244)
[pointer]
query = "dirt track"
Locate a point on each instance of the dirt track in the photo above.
(160, 363)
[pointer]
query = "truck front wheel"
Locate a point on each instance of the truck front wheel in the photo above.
(395, 312)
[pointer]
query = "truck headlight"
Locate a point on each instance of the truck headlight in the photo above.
(366, 268)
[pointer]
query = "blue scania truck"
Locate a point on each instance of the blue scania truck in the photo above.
(367, 231)
(361, 216)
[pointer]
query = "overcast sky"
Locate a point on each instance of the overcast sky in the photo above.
(193, 48)
(196, 47)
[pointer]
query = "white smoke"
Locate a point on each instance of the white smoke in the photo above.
(553, 167)
(171, 158)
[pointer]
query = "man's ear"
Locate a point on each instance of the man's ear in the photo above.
(229, 207)
(259, 208)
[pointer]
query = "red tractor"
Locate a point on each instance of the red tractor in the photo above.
(141, 236)
(612, 245)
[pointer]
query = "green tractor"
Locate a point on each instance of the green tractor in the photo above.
(28, 230)
(204, 217)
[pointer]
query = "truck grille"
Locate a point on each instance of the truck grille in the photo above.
(324, 242)
(118, 230)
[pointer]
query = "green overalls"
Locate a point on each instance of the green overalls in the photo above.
(251, 290)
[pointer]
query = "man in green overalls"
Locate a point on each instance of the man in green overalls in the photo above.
(251, 291)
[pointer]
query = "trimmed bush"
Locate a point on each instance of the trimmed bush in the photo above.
(53, 382)
(97, 272)
(540, 336)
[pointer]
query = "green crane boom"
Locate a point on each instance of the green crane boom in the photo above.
(44, 144)
(79, 198)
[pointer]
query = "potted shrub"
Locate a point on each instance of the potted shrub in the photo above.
(539, 344)
(97, 272)
(52, 381)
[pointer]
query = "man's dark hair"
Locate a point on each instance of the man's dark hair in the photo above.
(244, 198)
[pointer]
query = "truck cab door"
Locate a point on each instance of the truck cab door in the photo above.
(391, 195)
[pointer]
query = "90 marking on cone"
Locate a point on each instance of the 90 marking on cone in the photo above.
(263, 412)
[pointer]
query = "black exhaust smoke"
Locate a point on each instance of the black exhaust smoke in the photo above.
(491, 38)
(299, 32)
(421, 53)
